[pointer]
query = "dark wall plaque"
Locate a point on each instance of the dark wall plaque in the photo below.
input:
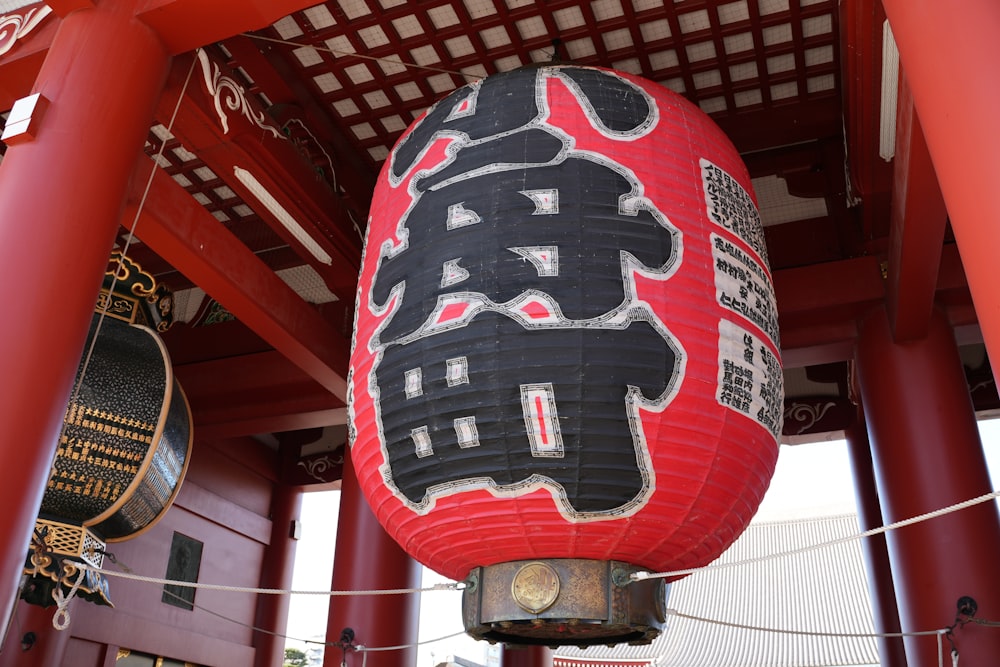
(184, 564)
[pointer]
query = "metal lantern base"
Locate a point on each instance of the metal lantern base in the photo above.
(52, 565)
(563, 601)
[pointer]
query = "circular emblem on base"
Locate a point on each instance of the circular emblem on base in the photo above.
(535, 587)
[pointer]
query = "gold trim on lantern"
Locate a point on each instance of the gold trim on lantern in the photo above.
(180, 478)
(137, 480)
(65, 539)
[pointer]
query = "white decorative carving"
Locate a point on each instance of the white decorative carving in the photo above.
(807, 414)
(224, 89)
(15, 26)
(317, 466)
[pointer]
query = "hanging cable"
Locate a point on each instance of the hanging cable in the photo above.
(454, 586)
(282, 635)
(807, 633)
(361, 56)
(129, 239)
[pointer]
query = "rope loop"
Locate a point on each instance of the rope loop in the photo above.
(639, 576)
(61, 619)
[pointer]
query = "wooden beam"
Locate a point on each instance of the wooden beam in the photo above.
(184, 234)
(184, 25)
(255, 393)
(818, 307)
(807, 120)
(292, 98)
(229, 142)
(833, 289)
(257, 419)
(66, 7)
(917, 227)
(861, 48)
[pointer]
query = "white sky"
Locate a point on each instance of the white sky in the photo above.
(810, 480)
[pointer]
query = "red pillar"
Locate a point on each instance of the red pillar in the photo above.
(927, 456)
(61, 196)
(48, 645)
(877, 568)
(279, 562)
(949, 54)
(368, 559)
(526, 656)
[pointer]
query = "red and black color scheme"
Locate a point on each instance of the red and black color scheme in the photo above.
(869, 209)
(566, 334)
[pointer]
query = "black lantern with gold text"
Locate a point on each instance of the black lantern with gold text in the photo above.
(125, 442)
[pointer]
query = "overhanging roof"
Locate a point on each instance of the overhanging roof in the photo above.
(277, 135)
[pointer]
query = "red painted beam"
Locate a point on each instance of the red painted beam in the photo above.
(861, 49)
(262, 151)
(244, 374)
(276, 77)
(247, 424)
(783, 125)
(255, 393)
(833, 288)
(917, 227)
(819, 305)
(184, 234)
(65, 7)
(184, 25)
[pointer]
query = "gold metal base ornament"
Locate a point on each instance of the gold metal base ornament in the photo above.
(54, 555)
(563, 601)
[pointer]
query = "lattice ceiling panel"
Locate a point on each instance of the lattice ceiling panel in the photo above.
(376, 65)
(218, 198)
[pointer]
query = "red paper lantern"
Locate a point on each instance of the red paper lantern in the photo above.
(566, 343)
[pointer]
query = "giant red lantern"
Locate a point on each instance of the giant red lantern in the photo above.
(566, 362)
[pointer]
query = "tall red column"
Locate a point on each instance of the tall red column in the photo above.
(883, 593)
(368, 559)
(276, 572)
(526, 656)
(927, 456)
(949, 55)
(44, 647)
(61, 196)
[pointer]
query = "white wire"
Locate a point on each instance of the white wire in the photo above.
(403, 646)
(810, 633)
(640, 576)
(456, 586)
(637, 576)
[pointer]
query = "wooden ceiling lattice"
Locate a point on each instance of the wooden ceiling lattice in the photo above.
(795, 84)
(376, 66)
(212, 192)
